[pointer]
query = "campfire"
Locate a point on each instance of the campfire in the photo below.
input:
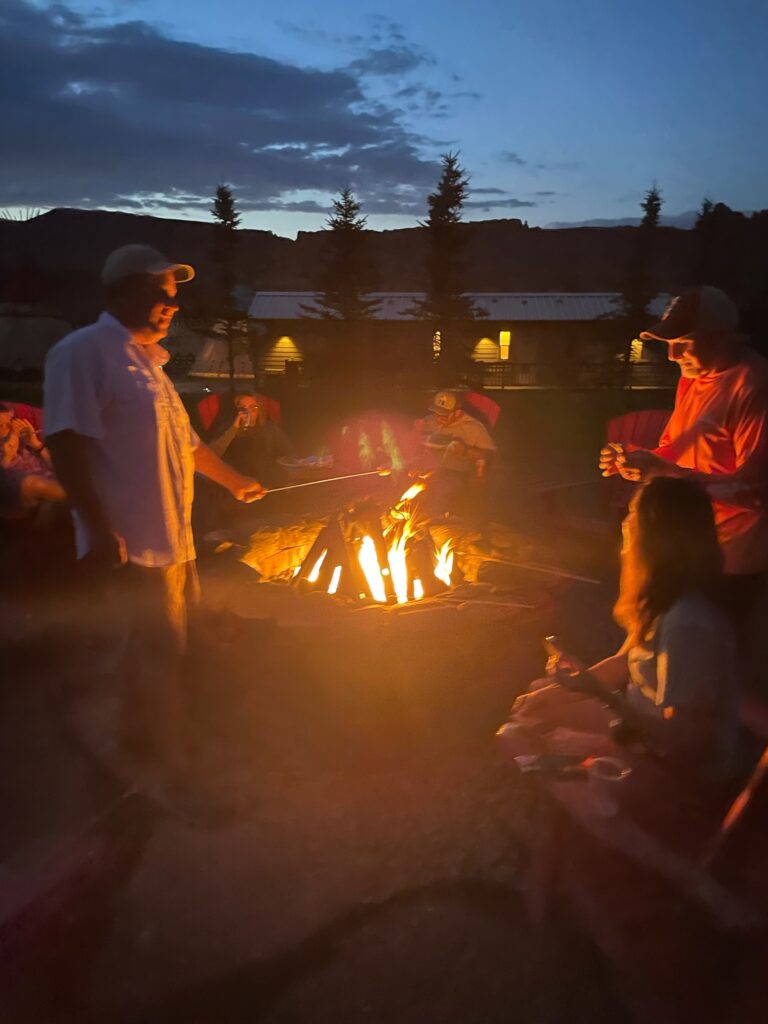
(388, 558)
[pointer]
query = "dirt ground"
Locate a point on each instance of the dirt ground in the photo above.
(371, 868)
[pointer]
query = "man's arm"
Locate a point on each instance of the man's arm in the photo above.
(220, 444)
(69, 456)
(244, 488)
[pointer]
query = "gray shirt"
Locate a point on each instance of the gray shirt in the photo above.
(690, 664)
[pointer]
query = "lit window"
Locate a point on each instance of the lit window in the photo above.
(485, 351)
(504, 339)
(437, 344)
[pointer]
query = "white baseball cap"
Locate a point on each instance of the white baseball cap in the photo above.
(142, 259)
(444, 402)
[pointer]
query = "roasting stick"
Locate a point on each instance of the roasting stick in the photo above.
(547, 570)
(328, 480)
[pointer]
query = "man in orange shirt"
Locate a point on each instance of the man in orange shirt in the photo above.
(718, 431)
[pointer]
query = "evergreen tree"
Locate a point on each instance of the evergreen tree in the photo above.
(343, 300)
(639, 289)
(227, 319)
(651, 207)
(446, 305)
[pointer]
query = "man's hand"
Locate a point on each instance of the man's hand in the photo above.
(458, 447)
(246, 489)
(609, 456)
(26, 432)
(640, 465)
(107, 551)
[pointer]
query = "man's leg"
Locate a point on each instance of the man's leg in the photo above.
(154, 710)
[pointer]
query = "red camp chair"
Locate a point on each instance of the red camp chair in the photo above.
(28, 412)
(488, 410)
(640, 429)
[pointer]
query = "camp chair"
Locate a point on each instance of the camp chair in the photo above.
(27, 412)
(640, 429)
(483, 406)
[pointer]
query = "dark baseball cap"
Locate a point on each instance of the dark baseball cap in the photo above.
(698, 309)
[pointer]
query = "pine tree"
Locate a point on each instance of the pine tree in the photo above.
(638, 291)
(228, 320)
(651, 207)
(344, 298)
(446, 306)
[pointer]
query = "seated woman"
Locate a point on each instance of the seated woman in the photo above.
(26, 477)
(673, 681)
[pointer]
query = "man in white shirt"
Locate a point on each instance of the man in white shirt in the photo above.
(126, 454)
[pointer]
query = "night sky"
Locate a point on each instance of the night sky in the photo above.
(562, 110)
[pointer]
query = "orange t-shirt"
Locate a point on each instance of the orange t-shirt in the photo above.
(719, 426)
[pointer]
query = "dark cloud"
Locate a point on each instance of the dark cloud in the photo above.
(489, 191)
(498, 204)
(119, 114)
(508, 157)
(545, 192)
(395, 59)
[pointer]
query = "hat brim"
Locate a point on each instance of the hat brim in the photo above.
(662, 331)
(182, 272)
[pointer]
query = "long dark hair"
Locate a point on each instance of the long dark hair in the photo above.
(670, 549)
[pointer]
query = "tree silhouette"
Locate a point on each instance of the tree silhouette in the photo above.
(227, 318)
(651, 207)
(344, 299)
(445, 305)
(639, 290)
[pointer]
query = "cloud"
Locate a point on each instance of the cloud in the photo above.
(676, 220)
(545, 192)
(116, 113)
(489, 192)
(395, 59)
(508, 157)
(499, 204)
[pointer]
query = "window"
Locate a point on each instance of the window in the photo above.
(504, 340)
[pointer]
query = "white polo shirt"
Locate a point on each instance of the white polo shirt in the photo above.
(102, 385)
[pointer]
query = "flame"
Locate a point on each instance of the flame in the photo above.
(412, 491)
(398, 532)
(398, 565)
(444, 566)
(333, 586)
(369, 563)
(313, 576)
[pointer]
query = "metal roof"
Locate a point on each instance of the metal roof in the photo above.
(511, 306)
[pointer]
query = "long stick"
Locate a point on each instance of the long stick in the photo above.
(329, 480)
(533, 567)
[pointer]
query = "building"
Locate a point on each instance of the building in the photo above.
(522, 340)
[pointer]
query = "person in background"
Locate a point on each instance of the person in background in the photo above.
(459, 451)
(25, 466)
(124, 450)
(673, 681)
(252, 443)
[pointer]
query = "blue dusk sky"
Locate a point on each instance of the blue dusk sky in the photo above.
(563, 111)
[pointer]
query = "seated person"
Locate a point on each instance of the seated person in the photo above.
(458, 449)
(252, 444)
(673, 681)
(26, 477)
